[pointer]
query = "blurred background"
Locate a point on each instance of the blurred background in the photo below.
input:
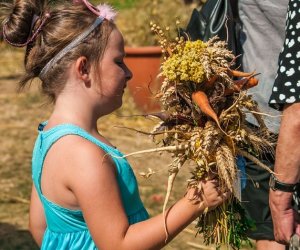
(21, 112)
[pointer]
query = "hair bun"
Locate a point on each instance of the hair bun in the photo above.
(18, 25)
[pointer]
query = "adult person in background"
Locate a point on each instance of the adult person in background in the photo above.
(262, 35)
(286, 96)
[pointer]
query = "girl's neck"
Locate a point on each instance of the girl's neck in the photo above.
(78, 112)
(57, 118)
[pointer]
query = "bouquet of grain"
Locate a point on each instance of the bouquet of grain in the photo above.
(204, 104)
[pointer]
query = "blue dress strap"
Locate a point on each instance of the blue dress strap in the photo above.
(49, 137)
(125, 176)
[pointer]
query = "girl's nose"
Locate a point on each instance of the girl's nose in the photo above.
(128, 73)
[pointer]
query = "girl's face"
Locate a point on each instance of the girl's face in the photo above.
(114, 74)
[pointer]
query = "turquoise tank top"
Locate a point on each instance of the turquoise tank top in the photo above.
(66, 228)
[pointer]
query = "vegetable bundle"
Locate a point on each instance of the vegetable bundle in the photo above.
(204, 105)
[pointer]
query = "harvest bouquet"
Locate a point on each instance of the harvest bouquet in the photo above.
(204, 104)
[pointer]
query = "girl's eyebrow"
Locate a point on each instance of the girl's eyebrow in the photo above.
(121, 55)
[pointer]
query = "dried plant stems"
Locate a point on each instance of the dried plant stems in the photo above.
(204, 121)
(255, 160)
(169, 148)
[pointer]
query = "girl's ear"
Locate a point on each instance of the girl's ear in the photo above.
(83, 69)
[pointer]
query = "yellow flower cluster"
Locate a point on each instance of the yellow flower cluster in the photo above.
(185, 63)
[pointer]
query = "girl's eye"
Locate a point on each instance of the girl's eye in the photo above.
(120, 63)
(119, 60)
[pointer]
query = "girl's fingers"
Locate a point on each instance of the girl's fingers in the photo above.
(214, 181)
(297, 229)
(212, 175)
(226, 195)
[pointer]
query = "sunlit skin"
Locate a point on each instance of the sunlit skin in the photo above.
(77, 176)
(287, 167)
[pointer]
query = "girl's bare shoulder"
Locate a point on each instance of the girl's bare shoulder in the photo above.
(78, 155)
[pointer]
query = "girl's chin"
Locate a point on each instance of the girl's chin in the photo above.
(108, 108)
(118, 104)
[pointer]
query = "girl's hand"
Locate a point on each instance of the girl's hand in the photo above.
(207, 195)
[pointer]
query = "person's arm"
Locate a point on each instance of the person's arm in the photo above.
(93, 181)
(287, 168)
(37, 222)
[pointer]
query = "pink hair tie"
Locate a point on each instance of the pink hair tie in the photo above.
(34, 35)
(102, 10)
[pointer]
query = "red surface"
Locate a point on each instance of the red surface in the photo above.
(144, 62)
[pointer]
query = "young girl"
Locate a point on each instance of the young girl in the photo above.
(82, 199)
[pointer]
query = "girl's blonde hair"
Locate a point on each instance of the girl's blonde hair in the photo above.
(65, 22)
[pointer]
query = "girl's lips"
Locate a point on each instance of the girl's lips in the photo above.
(125, 86)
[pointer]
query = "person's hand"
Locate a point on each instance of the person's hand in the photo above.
(285, 218)
(208, 195)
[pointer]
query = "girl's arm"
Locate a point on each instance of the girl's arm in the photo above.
(37, 222)
(94, 184)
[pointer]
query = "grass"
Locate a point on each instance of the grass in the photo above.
(119, 4)
(123, 4)
(165, 13)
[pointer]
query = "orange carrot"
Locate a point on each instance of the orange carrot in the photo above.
(252, 82)
(200, 98)
(244, 83)
(209, 82)
(237, 73)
